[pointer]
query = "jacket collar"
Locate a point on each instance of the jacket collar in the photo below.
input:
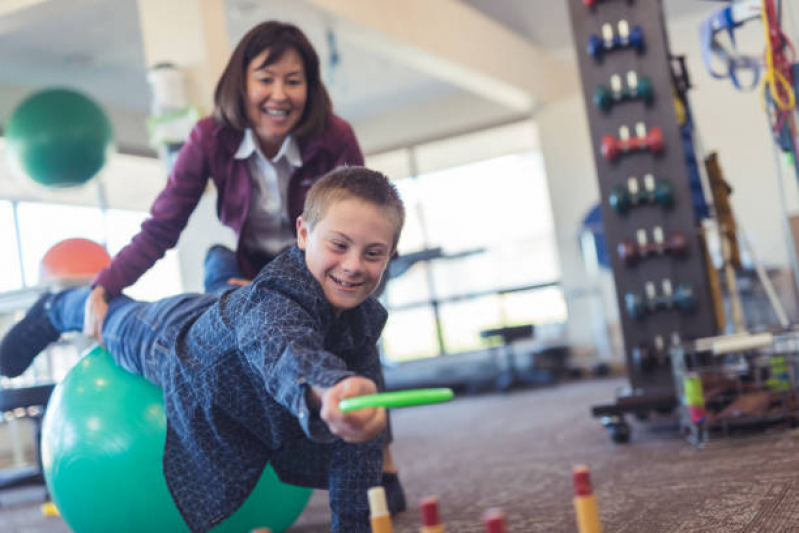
(289, 149)
(230, 140)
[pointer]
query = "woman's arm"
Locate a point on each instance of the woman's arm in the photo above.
(168, 216)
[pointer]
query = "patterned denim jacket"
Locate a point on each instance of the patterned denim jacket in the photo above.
(235, 387)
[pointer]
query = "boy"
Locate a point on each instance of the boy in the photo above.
(254, 376)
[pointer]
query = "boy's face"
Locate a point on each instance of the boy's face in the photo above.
(348, 250)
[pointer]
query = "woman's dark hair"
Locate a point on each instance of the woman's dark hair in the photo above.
(231, 91)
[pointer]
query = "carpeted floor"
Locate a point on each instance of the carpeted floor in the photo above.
(516, 451)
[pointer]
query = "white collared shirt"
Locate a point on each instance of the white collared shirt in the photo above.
(268, 226)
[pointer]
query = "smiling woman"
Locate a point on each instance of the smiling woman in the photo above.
(276, 95)
(271, 136)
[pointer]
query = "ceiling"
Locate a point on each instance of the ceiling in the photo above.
(95, 46)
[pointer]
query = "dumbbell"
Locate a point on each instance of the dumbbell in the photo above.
(625, 38)
(639, 306)
(659, 192)
(636, 89)
(612, 147)
(647, 357)
(631, 252)
(592, 3)
(644, 359)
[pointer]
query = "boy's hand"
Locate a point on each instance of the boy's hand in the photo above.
(356, 426)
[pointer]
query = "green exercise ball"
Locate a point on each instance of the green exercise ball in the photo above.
(102, 442)
(58, 138)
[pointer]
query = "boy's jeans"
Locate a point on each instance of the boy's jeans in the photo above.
(138, 334)
(220, 265)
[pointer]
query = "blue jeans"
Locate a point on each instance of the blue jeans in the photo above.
(137, 334)
(220, 265)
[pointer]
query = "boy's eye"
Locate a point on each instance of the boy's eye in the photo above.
(375, 255)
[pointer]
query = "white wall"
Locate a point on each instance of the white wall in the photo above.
(734, 124)
(593, 317)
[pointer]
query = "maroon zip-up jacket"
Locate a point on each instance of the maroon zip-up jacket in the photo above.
(208, 153)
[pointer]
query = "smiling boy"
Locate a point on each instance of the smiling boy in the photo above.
(255, 375)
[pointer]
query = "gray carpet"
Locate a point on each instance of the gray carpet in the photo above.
(516, 451)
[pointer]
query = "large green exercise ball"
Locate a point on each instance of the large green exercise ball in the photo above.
(58, 138)
(102, 443)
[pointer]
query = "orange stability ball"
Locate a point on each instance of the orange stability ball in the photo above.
(73, 260)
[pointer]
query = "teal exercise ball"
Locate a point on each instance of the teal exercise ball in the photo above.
(58, 138)
(103, 439)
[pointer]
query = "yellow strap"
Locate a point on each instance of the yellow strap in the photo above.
(773, 77)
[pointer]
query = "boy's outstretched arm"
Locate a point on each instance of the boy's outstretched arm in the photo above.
(355, 426)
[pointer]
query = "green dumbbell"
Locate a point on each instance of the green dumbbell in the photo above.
(636, 89)
(620, 199)
(660, 192)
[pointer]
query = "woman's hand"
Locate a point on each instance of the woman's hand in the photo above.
(355, 426)
(94, 314)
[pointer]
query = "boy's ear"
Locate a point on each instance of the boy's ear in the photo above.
(302, 233)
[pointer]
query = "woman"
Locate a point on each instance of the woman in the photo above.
(271, 136)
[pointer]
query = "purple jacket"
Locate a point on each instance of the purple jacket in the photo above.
(208, 153)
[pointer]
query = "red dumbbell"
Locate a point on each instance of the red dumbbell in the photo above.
(630, 252)
(612, 147)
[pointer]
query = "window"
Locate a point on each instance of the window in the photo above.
(163, 279)
(10, 271)
(42, 225)
(480, 205)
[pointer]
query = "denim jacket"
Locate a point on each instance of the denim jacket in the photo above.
(236, 378)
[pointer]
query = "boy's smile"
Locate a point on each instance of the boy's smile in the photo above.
(348, 250)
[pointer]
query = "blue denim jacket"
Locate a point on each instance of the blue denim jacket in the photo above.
(236, 375)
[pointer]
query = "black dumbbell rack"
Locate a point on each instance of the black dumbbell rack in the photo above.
(660, 320)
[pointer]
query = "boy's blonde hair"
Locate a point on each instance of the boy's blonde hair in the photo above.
(354, 182)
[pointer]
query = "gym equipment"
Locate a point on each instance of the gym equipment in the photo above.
(681, 298)
(610, 41)
(627, 182)
(652, 141)
(727, 19)
(648, 358)
(659, 192)
(28, 402)
(392, 400)
(637, 88)
(630, 252)
(73, 261)
(102, 445)
(58, 138)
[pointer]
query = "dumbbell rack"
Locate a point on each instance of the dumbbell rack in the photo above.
(642, 49)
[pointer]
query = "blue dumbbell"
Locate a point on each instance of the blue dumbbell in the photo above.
(639, 306)
(625, 38)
